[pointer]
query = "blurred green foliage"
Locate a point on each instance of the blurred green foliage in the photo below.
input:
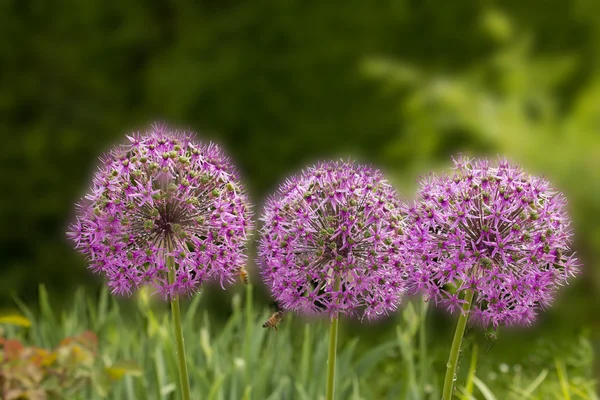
(402, 84)
(507, 104)
(235, 358)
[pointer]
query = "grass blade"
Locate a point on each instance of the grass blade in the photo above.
(562, 378)
(534, 385)
(471, 375)
(15, 319)
(485, 391)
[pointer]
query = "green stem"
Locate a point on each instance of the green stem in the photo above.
(333, 333)
(249, 331)
(180, 352)
(423, 344)
(456, 342)
(331, 358)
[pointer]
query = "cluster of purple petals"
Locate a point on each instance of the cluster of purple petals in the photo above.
(494, 229)
(329, 243)
(164, 195)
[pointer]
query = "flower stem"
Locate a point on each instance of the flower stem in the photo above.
(180, 352)
(455, 349)
(423, 344)
(333, 333)
(249, 370)
(331, 359)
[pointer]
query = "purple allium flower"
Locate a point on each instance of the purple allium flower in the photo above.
(494, 229)
(160, 195)
(329, 242)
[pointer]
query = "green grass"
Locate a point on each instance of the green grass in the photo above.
(238, 359)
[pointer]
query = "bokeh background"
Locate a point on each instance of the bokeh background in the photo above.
(401, 84)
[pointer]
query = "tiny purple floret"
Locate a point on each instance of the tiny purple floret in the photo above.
(163, 194)
(329, 243)
(496, 230)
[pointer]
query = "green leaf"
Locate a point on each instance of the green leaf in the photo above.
(15, 319)
(533, 386)
(122, 368)
(562, 378)
(471, 375)
(373, 357)
(485, 391)
(214, 390)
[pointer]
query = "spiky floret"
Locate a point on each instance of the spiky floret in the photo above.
(494, 229)
(164, 194)
(329, 243)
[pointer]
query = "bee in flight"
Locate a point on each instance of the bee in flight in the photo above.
(243, 275)
(273, 320)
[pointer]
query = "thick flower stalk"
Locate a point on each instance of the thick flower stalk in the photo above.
(329, 243)
(492, 229)
(164, 199)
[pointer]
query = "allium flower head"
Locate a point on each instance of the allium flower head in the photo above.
(163, 194)
(494, 229)
(330, 242)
